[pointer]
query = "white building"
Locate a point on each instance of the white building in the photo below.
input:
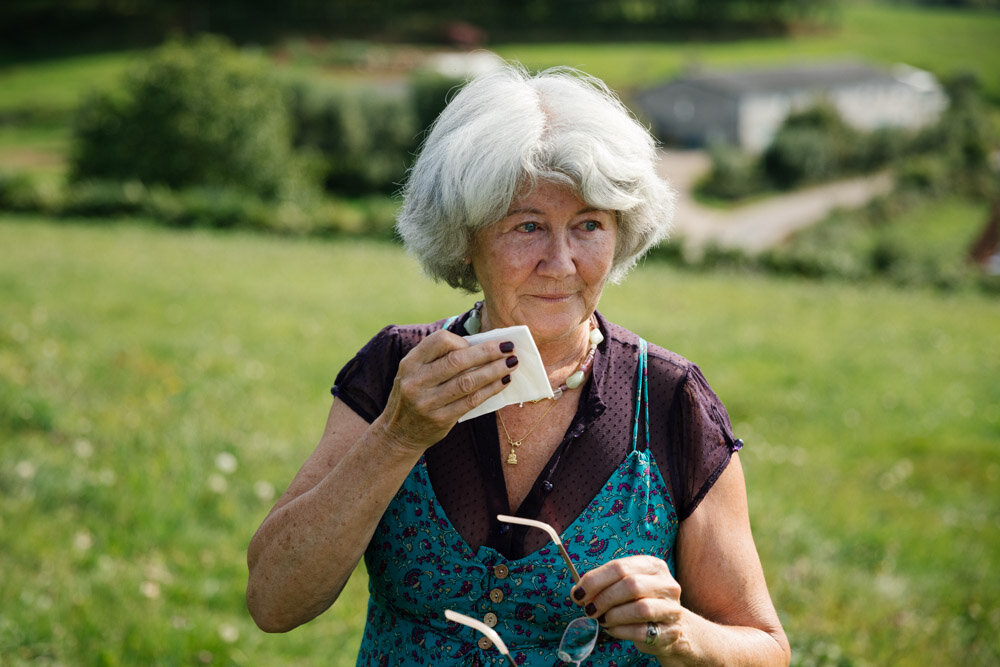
(745, 108)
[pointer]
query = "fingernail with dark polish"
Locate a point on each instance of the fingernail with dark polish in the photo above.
(505, 379)
(590, 609)
(579, 593)
(506, 347)
(602, 619)
(511, 361)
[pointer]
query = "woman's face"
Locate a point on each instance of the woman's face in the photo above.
(545, 263)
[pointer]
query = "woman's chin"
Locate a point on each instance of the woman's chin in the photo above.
(546, 328)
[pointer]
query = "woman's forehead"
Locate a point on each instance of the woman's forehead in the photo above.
(545, 195)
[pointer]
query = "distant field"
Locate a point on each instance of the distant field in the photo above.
(40, 95)
(158, 388)
(942, 41)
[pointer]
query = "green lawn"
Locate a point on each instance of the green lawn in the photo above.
(158, 388)
(59, 84)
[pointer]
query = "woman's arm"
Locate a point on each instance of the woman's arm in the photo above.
(717, 612)
(308, 545)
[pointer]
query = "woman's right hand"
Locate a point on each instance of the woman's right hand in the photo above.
(438, 381)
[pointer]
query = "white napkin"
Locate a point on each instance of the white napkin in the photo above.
(528, 381)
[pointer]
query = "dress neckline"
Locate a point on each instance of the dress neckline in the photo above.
(480, 554)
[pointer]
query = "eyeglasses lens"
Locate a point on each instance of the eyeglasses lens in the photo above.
(578, 640)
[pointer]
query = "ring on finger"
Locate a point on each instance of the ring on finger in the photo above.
(652, 633)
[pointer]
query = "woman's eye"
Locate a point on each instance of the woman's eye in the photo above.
(592, 225)
(529, 226)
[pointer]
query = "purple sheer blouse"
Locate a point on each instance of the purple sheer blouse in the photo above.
(690, 437)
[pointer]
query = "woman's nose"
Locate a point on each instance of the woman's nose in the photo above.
(558, 261)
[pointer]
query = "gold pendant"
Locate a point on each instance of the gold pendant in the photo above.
(512, 458)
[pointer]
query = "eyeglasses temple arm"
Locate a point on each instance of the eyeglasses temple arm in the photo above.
(483, 628)
(572, 569)
(541, 525)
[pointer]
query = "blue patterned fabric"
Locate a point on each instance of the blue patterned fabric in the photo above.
(419, 565)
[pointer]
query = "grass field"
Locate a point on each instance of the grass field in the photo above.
(158, 388)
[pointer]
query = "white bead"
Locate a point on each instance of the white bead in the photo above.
(596, 337)
(575, 380)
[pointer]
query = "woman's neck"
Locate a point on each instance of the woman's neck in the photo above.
(560, 356)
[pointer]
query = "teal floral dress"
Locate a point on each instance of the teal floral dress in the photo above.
(419, 565)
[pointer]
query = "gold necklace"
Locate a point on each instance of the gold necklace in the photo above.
(514, 444)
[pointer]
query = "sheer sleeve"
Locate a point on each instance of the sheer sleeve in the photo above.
(364, 383)
(698, 427)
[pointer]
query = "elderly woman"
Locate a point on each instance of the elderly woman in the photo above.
(536, 190)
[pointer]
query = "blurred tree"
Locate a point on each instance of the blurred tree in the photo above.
(203, 114)
(26, 24)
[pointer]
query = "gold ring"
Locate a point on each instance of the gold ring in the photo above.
(652, 632)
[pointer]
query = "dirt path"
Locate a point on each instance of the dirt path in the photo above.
(760, 225)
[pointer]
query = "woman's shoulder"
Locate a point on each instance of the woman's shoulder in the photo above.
(402, 337)
(660, 359)
(365, 381)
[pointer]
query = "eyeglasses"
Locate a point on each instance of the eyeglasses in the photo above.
(580, 636)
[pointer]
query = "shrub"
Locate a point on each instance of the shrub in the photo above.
(431, 92)
(734, 174)
(200, 114)
(924, 174)
(220, 207)
(20, 191)
(207, 207)
(879, 148)
(362, 137)
(812, 145)
(799, 155)
(103, 198)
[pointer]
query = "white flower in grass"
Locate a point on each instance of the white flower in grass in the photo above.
(264, 490)
(150, 590)
(25, 469)
(217, 483)
(83, 541)
(107, 477)
(226, 463)
(83, 448)
(229, 633)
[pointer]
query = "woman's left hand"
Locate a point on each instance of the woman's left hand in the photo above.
(627, 595)
(727, 617)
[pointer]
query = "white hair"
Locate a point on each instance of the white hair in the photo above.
(508, 129)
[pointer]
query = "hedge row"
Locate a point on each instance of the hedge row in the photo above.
(200, 206)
